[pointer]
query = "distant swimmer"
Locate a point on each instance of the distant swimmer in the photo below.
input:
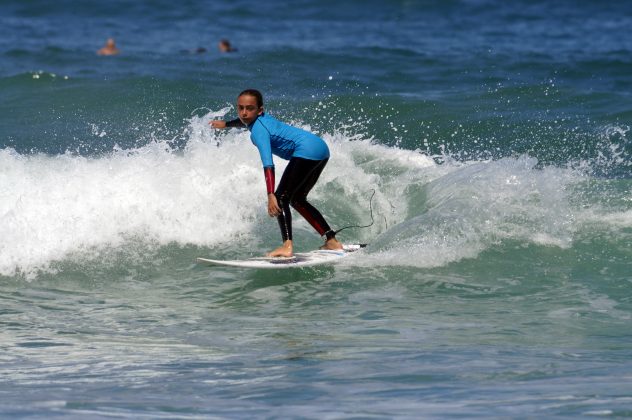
(307, 154)
(224, 46)
(109, 48)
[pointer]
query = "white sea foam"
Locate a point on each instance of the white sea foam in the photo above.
(208, 194)
(211, 194)
(478, 205)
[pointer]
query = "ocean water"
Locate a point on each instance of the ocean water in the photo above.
(486, 143)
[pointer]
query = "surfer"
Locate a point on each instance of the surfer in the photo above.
(307, 154)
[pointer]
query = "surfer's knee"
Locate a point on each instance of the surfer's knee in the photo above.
(283, 200)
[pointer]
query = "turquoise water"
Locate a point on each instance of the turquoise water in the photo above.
(497, 280)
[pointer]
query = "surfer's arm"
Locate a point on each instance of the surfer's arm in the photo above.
(227, 124)
(268, 173)
(260, 137)
(273, 205)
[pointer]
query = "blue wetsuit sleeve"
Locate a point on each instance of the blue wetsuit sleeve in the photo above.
(260, 137)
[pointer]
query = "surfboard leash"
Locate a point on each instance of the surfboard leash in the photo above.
(359, 226)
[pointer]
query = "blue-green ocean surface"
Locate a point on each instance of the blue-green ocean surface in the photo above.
(495, 137)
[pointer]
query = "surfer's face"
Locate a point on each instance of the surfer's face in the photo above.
(248, 109)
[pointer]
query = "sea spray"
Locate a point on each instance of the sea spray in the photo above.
(207, 194)
(427, 211)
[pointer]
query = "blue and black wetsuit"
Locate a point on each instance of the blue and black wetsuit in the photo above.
(307, 154)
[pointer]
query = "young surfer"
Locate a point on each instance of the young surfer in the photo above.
(307, 155)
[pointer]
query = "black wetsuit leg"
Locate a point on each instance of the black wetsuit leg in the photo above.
(297, 180)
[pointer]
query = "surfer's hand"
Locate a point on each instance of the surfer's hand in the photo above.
(273, 206)
(217, 123)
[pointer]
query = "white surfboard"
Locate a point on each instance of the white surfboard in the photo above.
(299, 259)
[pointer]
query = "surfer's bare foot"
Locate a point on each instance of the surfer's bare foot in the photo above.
(284, 250)
(332, 244)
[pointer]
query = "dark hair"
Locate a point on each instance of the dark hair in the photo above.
(253, 92)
